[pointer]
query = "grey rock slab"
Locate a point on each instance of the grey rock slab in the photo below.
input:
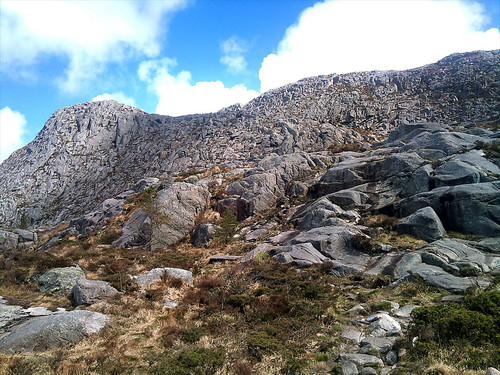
(145, 183)
(391, 357)
(26, 235)
(136, 231)
(178, 205)
(440, 278)
(406, 263)
(448, 142)
(382, 344)
(156, 274)
(60, 280)
(456, 172)
(283, 237)
(470, 208)
(8, 240)
(259, 250)
(404, 311)
(335, 242)
(368, 371)
(348, 368)
(170, 304)
(258, 232)
(203, 234)
(303, 254)
(50, 331)
(361, 359)
(406, 132)
(384, 265)
(352, 334)
(424, 224)
(349, 199)
(383, 321)
(88, 292)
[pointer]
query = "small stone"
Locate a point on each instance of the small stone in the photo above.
(392, 357)
(170, 304)
(156, 274)
(492, 371)
(405, 311)
(353, 335)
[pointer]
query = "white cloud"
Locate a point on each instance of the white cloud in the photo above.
(234, 49)
(89, 34)
(118, 96)
(344, 36)
(12, 128)
(179, 96)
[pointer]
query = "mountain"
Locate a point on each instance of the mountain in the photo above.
(92, 151)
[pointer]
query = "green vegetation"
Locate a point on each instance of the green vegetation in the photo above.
(198, 361)
(491, 149)
(228, 227)
(472, 328)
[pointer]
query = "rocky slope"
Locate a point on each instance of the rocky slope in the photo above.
(92, 151)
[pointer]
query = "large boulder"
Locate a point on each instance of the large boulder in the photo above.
(46, 332)
(470, 208)
(337, 243)
(88, 292)
(8, 240)
(60, 280)
(423, 224)
(177, 207)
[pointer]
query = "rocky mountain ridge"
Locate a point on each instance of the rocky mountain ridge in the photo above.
(92, 151)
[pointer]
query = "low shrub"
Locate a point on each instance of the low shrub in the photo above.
(197, 361)
(192, 335)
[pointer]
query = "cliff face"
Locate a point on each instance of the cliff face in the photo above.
(91, 151)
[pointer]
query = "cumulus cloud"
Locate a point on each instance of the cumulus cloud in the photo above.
(12, 128)
(234, 49)
(343, 36)
(118, 96)
(179, 96)
(90, 34)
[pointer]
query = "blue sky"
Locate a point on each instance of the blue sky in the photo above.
(190, 56)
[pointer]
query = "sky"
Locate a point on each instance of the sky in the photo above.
(178, 57)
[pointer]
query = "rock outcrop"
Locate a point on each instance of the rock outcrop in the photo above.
(46, 332)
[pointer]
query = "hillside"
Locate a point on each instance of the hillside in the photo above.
(92, 151)
(344, 224)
